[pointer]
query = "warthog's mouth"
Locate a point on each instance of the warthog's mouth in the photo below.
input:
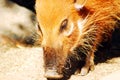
(73, 62)
(52, 74)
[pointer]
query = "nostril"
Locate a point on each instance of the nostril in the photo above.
(52, 74)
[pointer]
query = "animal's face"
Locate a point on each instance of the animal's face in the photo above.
(58, 26)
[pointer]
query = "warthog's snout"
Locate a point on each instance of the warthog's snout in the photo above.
(52, 74)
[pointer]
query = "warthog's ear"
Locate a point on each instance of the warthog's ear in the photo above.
(79, 4)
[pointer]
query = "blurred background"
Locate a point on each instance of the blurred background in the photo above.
(17, 21)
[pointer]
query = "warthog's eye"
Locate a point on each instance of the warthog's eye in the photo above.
(63, 25)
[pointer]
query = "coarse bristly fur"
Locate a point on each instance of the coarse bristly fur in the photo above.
(67, 31)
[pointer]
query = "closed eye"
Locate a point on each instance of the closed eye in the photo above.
(63, 25)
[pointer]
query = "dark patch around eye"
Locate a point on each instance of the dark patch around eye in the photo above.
(74, 1)
(84, 12)
(63, 25)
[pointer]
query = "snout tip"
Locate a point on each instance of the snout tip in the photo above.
(52, 74)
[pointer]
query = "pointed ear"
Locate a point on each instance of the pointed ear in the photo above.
(79, 4)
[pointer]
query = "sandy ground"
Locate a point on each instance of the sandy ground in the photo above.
(21, 64)
(26, 63)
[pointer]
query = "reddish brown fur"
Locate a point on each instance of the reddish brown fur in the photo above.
(101, 19)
